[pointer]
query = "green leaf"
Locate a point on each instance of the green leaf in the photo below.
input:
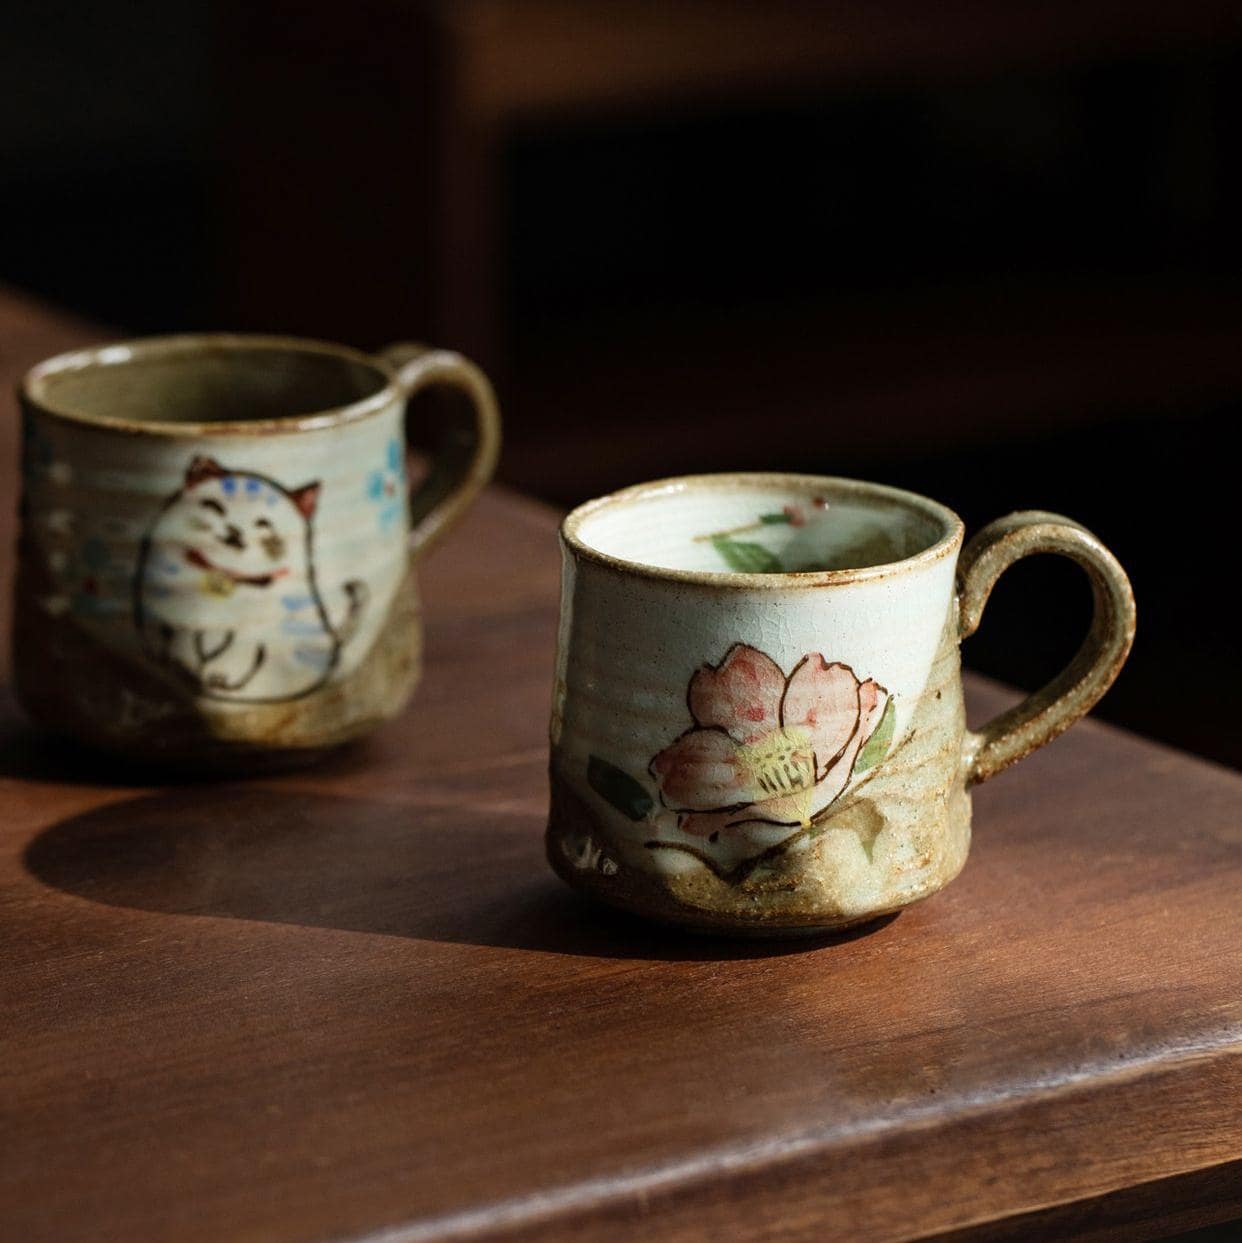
(745, 557)
(628, 796)
(772, 520)
(877, 745)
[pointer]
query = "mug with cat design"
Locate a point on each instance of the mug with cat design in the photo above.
(217, 541)
(757, 724)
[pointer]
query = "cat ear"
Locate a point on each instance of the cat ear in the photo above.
(306, 498)
(201, 468)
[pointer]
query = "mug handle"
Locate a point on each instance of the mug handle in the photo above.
(467, 455)
(1055, 707)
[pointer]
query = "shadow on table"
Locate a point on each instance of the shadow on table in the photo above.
(436, 872)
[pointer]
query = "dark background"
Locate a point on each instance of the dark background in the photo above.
(988, 252)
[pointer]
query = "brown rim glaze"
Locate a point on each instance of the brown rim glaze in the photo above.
(884, 496)
(33, 386)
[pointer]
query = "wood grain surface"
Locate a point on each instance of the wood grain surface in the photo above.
(353, 1003)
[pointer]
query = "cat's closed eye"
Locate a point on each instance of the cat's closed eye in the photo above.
(211, 503)
(272, 543)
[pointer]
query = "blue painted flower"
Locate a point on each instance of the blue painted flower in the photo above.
(385, 487)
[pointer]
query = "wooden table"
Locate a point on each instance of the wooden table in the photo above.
(354, 1003)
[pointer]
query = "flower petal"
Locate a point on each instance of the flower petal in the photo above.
(709, 824)
(774, 812)
(873, 698)
(822, 699)
(741, 695)
(703, 771)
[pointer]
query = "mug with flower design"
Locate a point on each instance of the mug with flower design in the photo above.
(218, 540)
(757, 722)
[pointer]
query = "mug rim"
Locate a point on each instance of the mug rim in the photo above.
(949, 542)
(32, 388)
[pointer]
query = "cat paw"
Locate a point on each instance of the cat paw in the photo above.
(359, 594)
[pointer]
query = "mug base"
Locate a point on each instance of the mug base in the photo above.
(76, 687)
(636, 896)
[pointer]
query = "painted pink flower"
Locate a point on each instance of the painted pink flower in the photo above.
(765, 747)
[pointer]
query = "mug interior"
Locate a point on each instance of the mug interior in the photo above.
(204, 380)
(761, 524)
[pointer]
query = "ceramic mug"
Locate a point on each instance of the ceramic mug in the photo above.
(217, 541)
(757, 722)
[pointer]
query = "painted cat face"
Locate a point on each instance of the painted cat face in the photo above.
(236, 529)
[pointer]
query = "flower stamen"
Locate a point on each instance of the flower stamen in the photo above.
(782, 765)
